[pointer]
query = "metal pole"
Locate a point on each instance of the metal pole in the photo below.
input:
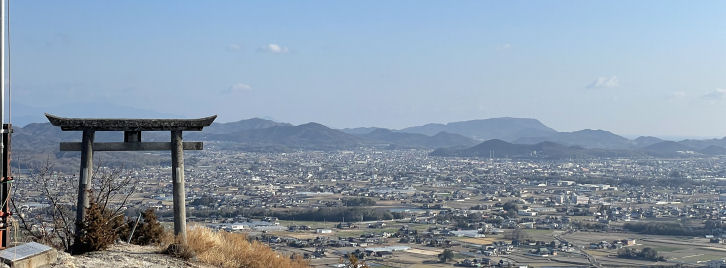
(5, 189)
(84, 180)
(2, 76)
(5, 136)
(134, 229)
(177, 175)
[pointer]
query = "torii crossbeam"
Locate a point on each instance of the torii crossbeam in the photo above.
(132, 129)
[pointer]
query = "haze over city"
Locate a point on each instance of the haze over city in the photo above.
(633, 68)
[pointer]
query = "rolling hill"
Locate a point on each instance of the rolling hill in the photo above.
(312, 136)
(644, 141)
(588, 138)
(544, 150)
(504, 128)
(412, 140)
(247, 124)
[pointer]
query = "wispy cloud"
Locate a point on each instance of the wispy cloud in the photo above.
(233, 47)
(238, 87)
(605, 82)
(716, 94)
(505, 46)
(274, 48)
(677, 95)
(59, 39)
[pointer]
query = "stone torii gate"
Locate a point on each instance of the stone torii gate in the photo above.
(132, 129)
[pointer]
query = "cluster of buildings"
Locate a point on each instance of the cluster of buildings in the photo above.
(437, 202)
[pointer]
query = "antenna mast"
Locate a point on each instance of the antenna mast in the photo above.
(5, 132)
(2, 79)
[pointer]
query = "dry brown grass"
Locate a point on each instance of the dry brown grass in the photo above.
(225, 249)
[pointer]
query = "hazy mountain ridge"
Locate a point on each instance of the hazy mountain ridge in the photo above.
(246, 124)
(588, 138)
(643, 141)
(306, 136)
(550, 150)
(257, 134)
(413, 140)
(359, 130)
(503, 128)
(702, 144)
(250, 134)
(545, 150)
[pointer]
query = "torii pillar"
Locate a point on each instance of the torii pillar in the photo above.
(132, 129)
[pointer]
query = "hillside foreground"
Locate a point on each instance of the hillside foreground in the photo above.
(125, 255)
(206, 248)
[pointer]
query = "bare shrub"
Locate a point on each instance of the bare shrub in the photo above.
(55, 225)
(180, 250)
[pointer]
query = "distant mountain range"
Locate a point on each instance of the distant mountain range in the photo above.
(413, 140)
(261, 133)
(547, 150)
(539, 138)
(643, 141)
(496, 137)
(504, 128)
(243, 125)
(311, 136)
(550, 150)
(587, 138)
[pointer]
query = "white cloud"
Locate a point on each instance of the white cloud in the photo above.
(238, 87)
(716, 94)
(274, 48)
(605, 82)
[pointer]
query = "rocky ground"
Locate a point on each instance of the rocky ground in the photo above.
(124, 255)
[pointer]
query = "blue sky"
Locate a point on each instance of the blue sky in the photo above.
(632, 67)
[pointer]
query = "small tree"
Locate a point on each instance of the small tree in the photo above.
(446, 256)
(626, 253)
(100, 229)
(511, 209)
(645, 254)
(649, 254)
(149, 231)
(518, 235)
(510, 206)
(354, 262)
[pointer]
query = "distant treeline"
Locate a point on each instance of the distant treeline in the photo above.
(590, 226)
(358, 202)
(334, 214)
(673, 181)
(301, 214)
(663, 228)
(644, 254)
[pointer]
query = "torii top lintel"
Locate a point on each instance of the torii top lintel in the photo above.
(122, 124)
